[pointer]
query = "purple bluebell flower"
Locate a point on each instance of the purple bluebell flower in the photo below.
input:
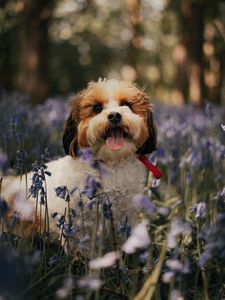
(38, 166)
(124, 228)
(106, 261)
(199, 209)
(220, 200)
(53, 215)
(66, 289)
(36, 185)
(91, 203)
(143, 257)
(175, 295)
(139, 238)
(61, 191)
(175, 269)
(220, 196)
(48, 173)
(163, 211)
(92, 187)
(53, 260)
(68, 231)
(85, 154)
(61, 221)
(143, 202)
(213, 237)
(90, 283)
(38, 179)
(178, 228)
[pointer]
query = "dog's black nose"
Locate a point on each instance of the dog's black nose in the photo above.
(114, 117)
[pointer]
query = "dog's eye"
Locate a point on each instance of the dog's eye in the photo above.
(97, 108)
(126, 103)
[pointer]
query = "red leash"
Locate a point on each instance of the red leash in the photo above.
(155, 171)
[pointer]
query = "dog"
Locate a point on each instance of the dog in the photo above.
(113, 121)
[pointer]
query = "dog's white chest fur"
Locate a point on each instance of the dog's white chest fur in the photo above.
(121, 181)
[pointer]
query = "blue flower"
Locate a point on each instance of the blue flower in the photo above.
(48, 173)
(143, 202)
(175, 269)
(38, 178)
(85, 154)
(61, 192)
(60, 222)
(178, 228)
(199, 209)
(92, 187)
(53, 260)
(68, 230)
(143, 257)
(213, 236)
(53, 215)
(124, 228)
(91, 203)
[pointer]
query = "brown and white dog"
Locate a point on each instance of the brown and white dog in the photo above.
(114, 119)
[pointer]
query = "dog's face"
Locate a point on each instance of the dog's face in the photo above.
(111, 117)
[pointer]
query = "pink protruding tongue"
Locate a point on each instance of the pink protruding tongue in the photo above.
(115, 139)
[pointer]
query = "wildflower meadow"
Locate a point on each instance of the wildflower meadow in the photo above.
(177, 249)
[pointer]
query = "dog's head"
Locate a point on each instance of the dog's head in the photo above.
(113, 118)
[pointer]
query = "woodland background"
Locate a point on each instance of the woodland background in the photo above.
(50, 49)
(175, 48)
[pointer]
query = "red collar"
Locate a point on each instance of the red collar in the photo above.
(155, 171)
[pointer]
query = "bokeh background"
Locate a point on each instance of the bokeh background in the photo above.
(175, 48)
(50, 49)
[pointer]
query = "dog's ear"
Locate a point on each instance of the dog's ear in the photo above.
(150, 144)
(70, 144)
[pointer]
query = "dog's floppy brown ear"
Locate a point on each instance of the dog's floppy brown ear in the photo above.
(70, 144)
(150, 144)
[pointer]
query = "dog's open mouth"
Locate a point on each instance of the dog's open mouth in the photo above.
(115, 138)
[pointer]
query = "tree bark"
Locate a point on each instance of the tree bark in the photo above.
(189, 55)
(33, 65)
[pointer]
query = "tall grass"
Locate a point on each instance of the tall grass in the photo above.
(177, 251)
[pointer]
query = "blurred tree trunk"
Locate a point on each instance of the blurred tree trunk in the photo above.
(133, 50)
(33, 65)
(188, 54)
